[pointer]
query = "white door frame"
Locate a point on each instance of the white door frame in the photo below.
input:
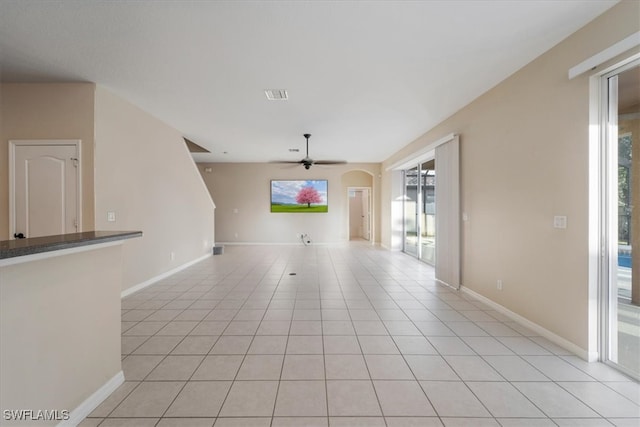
(603, 248)
(600, 248)
(349, 189)
(12, 168)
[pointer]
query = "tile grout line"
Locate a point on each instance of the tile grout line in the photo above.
(275, 402)
(400, 290)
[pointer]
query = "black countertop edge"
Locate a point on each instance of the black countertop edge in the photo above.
(36, 245)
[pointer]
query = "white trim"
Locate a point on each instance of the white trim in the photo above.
(80, 204)
(455, 288)
(426, 153)
(92, 402)
(139, 286)
(598, 266)
(13, 143)
(55, 253)
(342, 242)
(594, 215)
(390, 249)
(556, 339)
(601, 57)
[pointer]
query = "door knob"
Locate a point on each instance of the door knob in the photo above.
(18, 235)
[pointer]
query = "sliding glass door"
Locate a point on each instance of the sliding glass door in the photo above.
(410, 209)
(428, 212)
(419, 212)
(621, 281)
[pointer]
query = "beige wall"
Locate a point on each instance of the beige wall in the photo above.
(246, 187)
(59, 329)
(47, 111)
(145, 174)
(524, 159)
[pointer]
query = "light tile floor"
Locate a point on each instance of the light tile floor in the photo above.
(343, 336)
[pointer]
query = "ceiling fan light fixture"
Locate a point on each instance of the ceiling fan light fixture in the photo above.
(276, 94)
(307, 161)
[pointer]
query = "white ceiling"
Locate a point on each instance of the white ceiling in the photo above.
(365, 78)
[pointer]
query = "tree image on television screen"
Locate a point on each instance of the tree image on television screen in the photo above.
(308, 195)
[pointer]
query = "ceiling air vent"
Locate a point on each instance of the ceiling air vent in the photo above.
(276, 94)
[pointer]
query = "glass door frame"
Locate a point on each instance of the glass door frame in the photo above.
(608, 212)
(416, 215)
(419, 207)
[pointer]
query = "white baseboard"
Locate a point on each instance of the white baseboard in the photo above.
(342, 242)
(259, 244)
(389, 248)
(556, 339)
(139, 286)
(455, 288)
(282, 243)
(92, 402)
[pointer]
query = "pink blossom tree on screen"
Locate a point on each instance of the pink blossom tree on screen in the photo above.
(308, 195)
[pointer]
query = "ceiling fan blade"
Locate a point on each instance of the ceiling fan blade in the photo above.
(307, 162)
(329, 162)
(286, 164)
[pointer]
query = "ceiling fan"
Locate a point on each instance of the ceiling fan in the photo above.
(307, 162)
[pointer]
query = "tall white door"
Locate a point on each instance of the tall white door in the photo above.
(359, 213)
(366, 215)
(45, 183)
(355, 214)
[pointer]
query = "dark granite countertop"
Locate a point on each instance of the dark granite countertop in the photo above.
(35, 245)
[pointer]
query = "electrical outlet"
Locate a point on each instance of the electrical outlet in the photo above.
(559, 221)
(111, 216)
(499, 284)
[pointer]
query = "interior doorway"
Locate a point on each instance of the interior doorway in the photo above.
(359, 213)
(44, 188)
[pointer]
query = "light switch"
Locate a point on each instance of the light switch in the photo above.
(111, 216)
(559, 221)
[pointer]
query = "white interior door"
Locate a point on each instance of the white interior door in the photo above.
(355, 214)
(359, 213)
(366, 215)
(45, 189)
